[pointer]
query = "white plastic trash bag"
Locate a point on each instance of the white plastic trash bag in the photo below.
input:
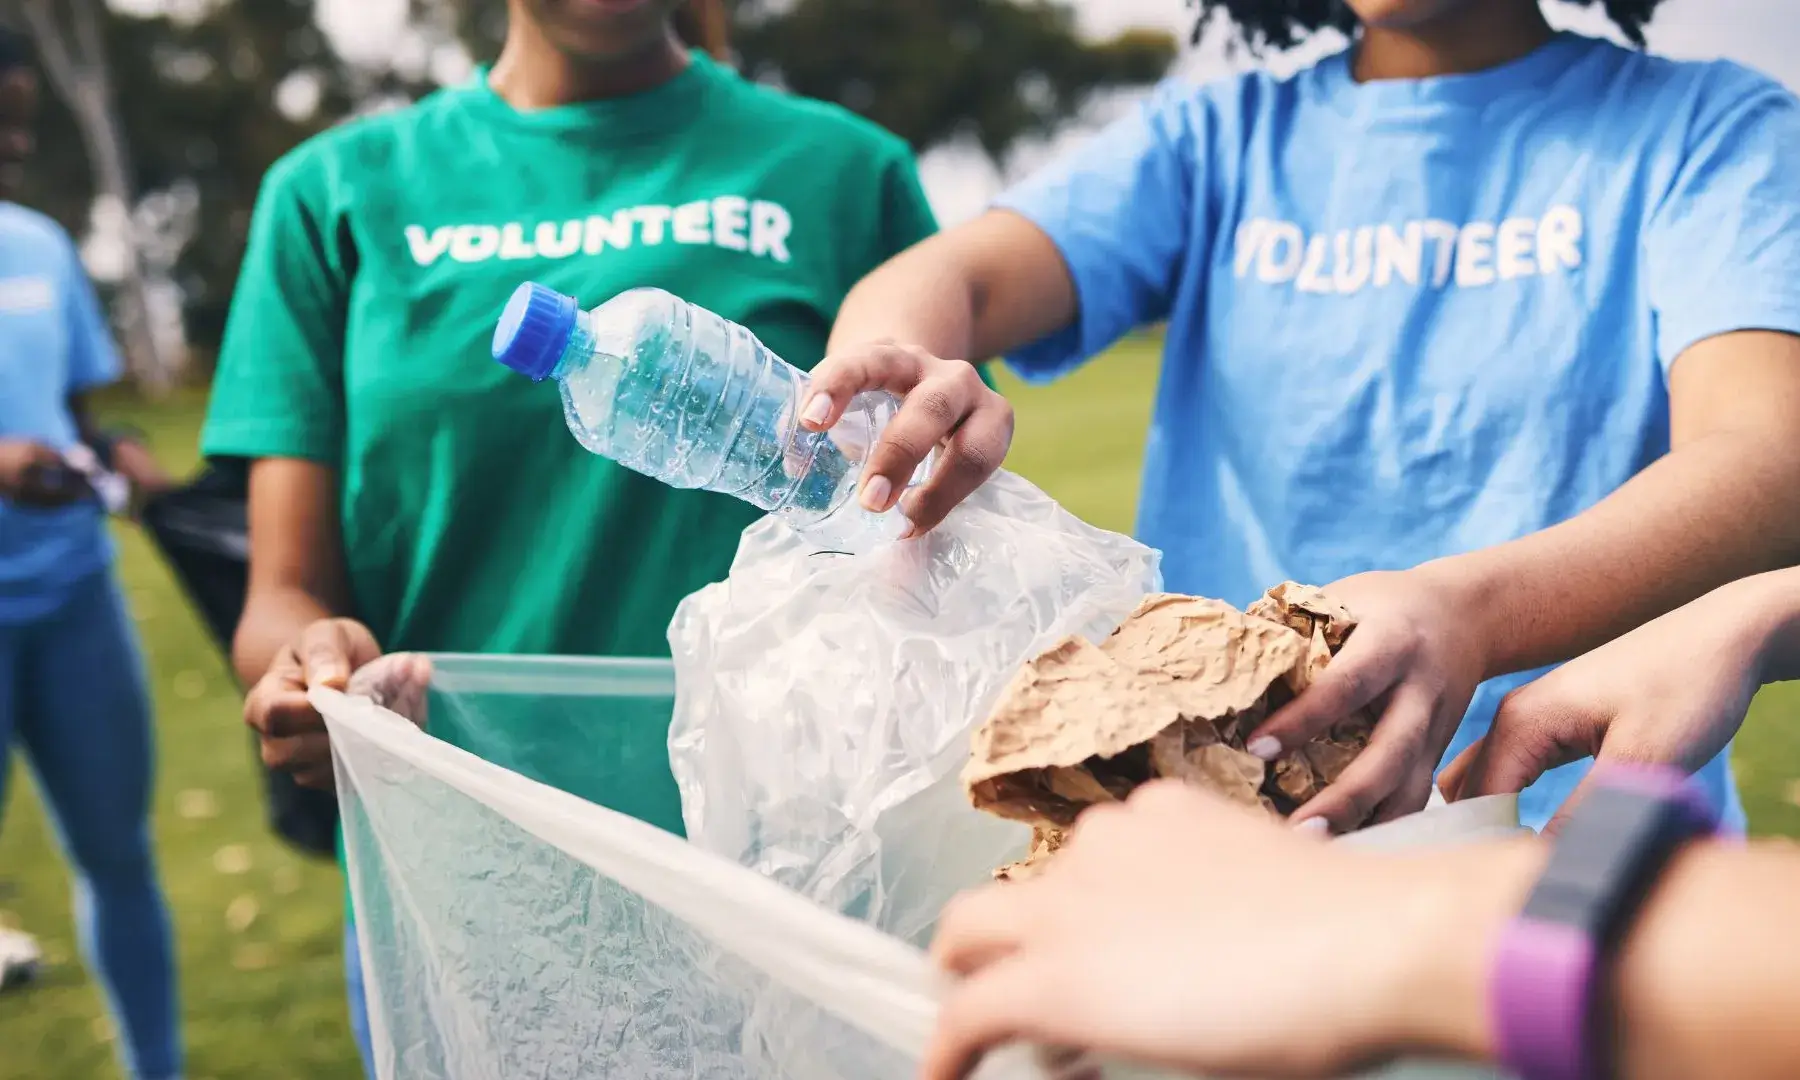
(824, 701)
(509, 929)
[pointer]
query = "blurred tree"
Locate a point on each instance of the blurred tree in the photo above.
(208, 93)
(931, 71)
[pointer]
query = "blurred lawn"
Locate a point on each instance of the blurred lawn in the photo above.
(258, 926)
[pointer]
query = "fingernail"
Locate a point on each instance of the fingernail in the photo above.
(1314, 826)
(1267, 747)
(817, 410)
(875, 493)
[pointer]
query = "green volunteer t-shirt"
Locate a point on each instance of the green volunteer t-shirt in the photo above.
(380, 255)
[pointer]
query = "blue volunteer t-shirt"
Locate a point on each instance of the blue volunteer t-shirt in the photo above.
(53, 343)
(1408, 319)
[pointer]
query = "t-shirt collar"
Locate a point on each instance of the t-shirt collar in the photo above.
(1409, 99)
(663, 108)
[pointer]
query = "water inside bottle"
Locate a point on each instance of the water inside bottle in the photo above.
(676, 392)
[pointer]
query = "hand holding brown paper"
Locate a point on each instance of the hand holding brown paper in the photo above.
(1174, 693)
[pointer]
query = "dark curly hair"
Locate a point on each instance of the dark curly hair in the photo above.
(1278, 24)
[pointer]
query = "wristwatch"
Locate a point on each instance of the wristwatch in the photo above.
(1549, 974)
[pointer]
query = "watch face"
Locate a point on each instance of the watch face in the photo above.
(1611, 850)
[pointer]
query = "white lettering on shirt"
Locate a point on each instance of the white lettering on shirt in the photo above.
(759, 228)
(27, 295)
(605, 232)
(426, 247)
(1516, 242)
(475, 243)
(1312, 272)
(1443, 234)
(1475, 255)
(769, 228)
(693, 223)
(1559, 239)
(1286, 238)
(513, 244)
(655, 222)
(1399, 253)
(730, 214)
(1424, 252)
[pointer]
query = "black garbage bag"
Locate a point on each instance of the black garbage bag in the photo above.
(202, 531)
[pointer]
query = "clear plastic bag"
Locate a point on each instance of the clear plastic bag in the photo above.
(824, 701)
(511, 929)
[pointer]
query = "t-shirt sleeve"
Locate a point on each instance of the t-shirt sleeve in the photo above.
(1118, 209)
(906, 214)
(1722, 247)
(93, 356)
(278, 391)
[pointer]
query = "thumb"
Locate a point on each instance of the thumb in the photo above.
(1452, 777)
(331, 649)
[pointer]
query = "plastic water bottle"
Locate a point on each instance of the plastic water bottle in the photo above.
(680, 394)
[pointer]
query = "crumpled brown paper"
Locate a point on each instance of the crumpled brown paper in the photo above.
(1173, 693)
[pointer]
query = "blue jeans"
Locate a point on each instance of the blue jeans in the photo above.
(72, 696)
(359, 1000)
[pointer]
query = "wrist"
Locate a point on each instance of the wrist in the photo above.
(1766, 610)
(1464, 585)
(1439, 1002)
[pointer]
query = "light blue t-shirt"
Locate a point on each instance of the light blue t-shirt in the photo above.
(1408, 319)
(53, 342)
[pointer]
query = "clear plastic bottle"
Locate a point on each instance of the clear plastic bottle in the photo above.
(680, 394)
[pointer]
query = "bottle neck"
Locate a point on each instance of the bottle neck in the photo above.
(578, 351)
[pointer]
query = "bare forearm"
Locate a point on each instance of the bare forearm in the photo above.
(1718, 509)
(1704, 984)
(914, 299)
(972, 293)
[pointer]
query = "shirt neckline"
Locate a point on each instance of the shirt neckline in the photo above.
(665, 108)
(1464, 93)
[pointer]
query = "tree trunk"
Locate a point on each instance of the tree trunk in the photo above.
(75, 63)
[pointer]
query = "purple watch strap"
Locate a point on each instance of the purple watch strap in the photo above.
(1543, 985)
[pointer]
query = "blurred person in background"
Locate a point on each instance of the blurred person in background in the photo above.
(72, 691)
(409, 494)
(1508, 315)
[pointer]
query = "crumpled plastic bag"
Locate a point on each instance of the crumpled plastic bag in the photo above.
(511, 929)
(1173, 693)
(824, 701)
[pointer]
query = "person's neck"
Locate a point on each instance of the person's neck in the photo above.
(531, 73)
(1471, 37)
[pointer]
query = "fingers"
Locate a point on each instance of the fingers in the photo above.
(1410, 797)
(1532, 733)
(841, 376)
(1010, 1001)
(979, 928)
(1393, 757)
(1455, 775)
(305, 757)
(1367, 668)
(943, 403)
(331, 649)
(967, 460)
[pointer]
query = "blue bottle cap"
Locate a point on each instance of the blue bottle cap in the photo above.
(534, 330)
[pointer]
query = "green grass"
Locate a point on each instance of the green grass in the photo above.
(263, 1000)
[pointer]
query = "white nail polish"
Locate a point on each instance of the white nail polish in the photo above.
(1314, 826)
(1267, 747)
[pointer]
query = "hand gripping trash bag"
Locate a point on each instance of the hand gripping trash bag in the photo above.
(512, 929)
(824, 701)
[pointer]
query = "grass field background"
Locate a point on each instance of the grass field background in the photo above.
(258, 926)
